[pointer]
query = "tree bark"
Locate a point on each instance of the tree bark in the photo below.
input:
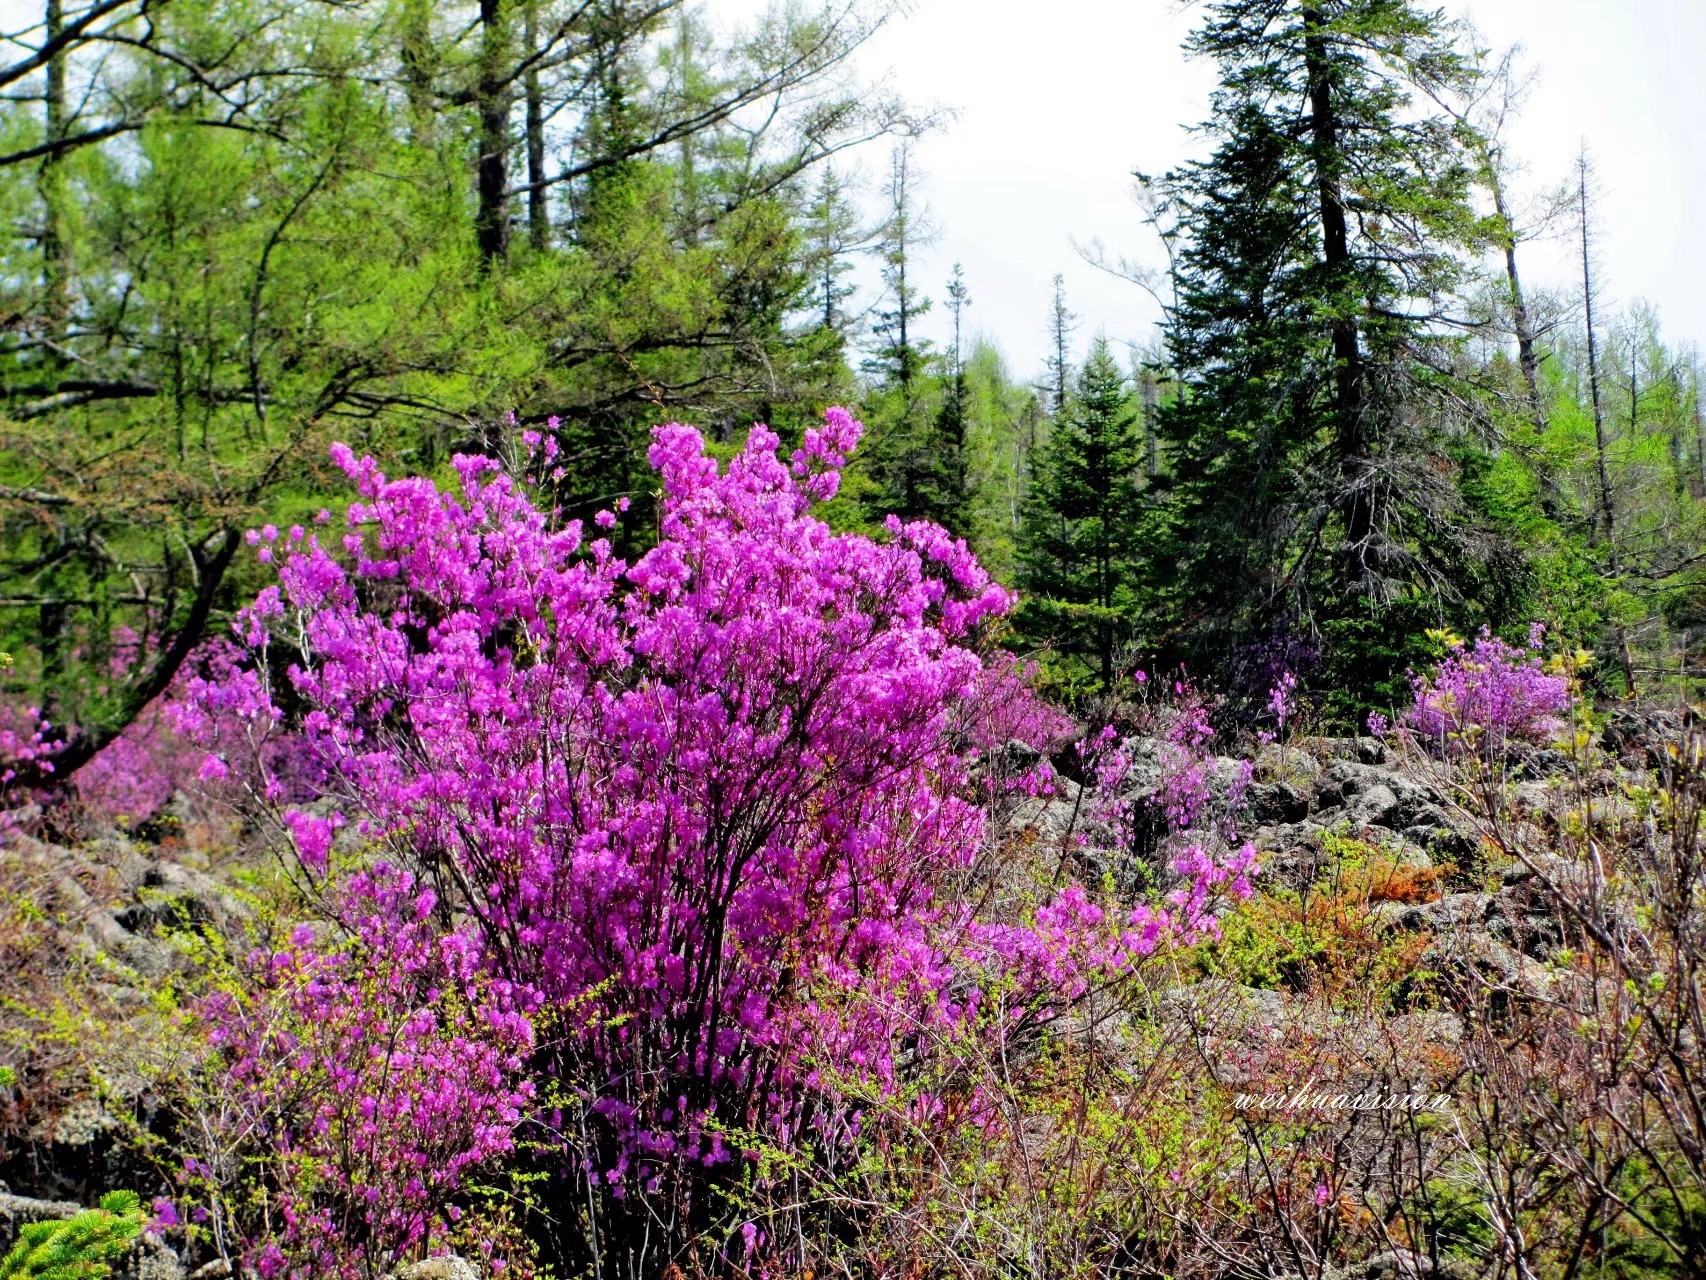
(56, 273)
(492, 96)
(417, 68)
(1150, 392)
(1599, 440)
(1527, 345)
(538, 206)
(55, 768)
(1335, 248)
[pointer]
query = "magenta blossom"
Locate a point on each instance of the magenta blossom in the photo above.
(701, 809)
(1489, 694)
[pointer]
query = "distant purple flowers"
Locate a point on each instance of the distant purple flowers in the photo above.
(1490, 692)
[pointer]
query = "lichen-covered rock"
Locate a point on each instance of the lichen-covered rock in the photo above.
(449, 1267)
(16, 1211)
(1276, 763)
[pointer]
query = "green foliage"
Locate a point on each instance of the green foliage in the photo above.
(916, 409)
(1645, 1243)
(79, 1248)
(200, 301)
(1313, 276)
(1079, 545)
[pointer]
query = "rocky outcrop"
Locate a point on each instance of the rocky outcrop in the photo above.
(449, 1267)
(19, 1211)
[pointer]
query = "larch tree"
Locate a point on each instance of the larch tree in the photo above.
(265, 226)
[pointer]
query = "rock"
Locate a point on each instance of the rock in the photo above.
(1440, 844)
(1542, 868)
(1291, 854)
(1392, 915)
(1640, 733)
(1410, 853)
(81, 1123)
(1054, 820)
(1146, 765)
(17, 1211)
(1375, 807)
(153, 1259)
(1533, 796)
(1454, 912)
(1499, 965)
(1363, 750)
(1404, 1264)
(218, 1269)
(1018, 756)
(1277, 802)
(177, 895)
(1545, 762)
(1222, 1006)
(1430, 1026)
(1524, 923)
(1226, 776)
(1275, 763)
(449, 1267)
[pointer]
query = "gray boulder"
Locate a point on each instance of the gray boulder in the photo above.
(449, 1267)
(19, 1211)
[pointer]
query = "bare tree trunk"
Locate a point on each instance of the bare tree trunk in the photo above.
(492, 94)
(1335, 247)
(538, 205)
(1700, 439)
(1607, 520)
(56, 268)
(1599, 440)
(1527, 346)
(1634, 393)
(1150, 392)
(417, 68)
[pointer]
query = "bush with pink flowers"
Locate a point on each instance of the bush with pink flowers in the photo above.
(1488, 694)
(368, 1068)
(703, 814)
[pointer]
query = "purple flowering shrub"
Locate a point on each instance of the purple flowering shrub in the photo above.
(367, 1071)
(212, 700)
(699, 815)
(25, 735)
(1488, 694)
(1187, 809)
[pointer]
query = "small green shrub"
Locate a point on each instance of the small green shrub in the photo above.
(77, 1248)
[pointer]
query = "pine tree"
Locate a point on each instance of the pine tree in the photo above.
(832, 234)
(900, 353)
(1079, 541)
(1061, 323)
(951, 480)
(1322, 241)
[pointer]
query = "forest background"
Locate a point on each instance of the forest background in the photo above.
(241, 232)
(633, 849)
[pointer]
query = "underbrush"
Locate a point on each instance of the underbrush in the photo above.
(743, 913)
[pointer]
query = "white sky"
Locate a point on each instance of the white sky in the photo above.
(1059, 102)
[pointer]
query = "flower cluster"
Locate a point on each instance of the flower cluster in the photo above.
(700, 807)
(25, 735)
(1488, 694)
(376, 1068)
